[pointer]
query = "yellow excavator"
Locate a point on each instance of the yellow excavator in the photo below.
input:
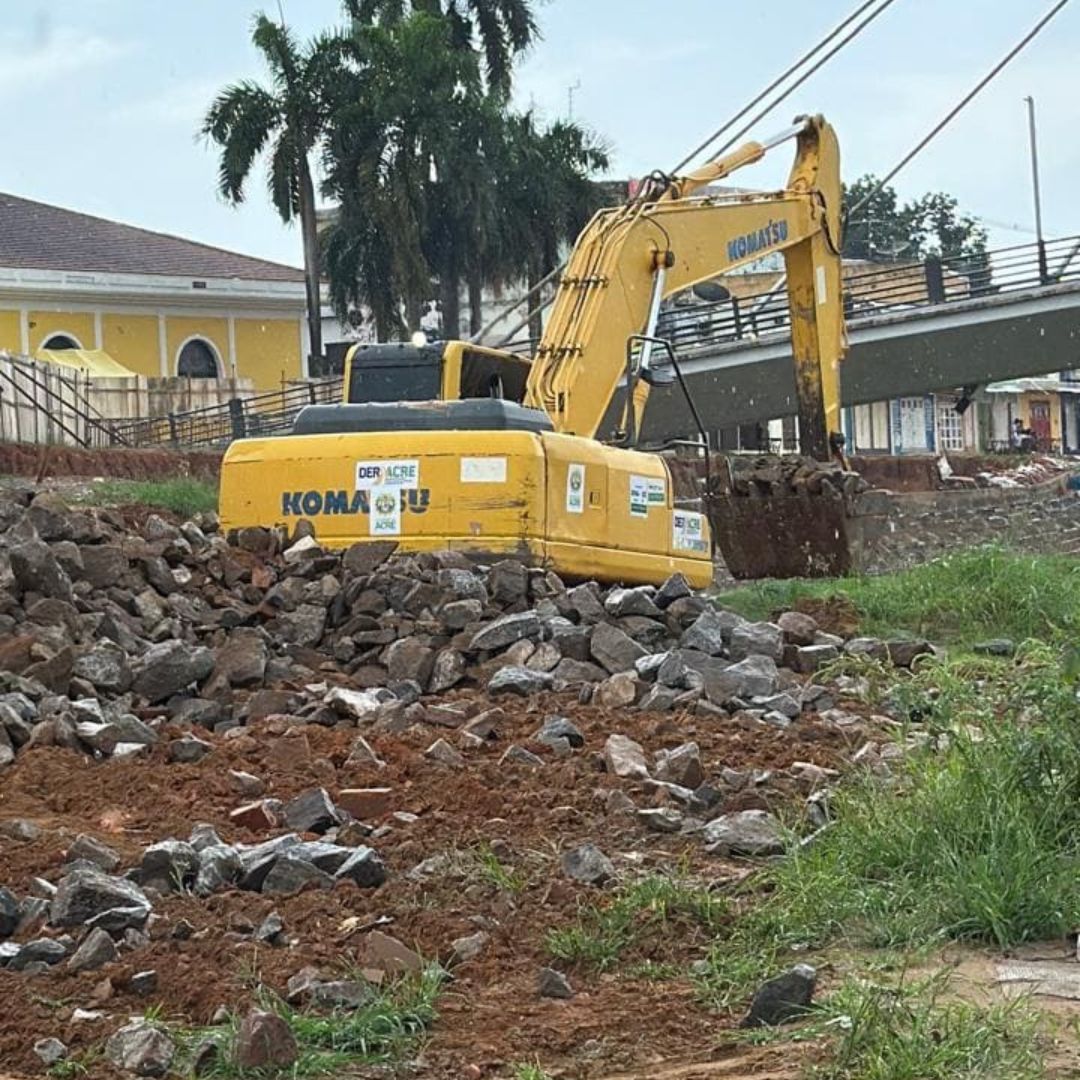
(454, 446)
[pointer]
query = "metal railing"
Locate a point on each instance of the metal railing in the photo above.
(271, 413)
(883, 289)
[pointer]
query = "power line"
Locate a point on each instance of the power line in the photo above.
(780, 79)
(802, 78)
(951, 114)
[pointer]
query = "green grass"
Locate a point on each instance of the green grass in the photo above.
(634, 923)
(912, 1031)
(184, 496)
(967, 597)
(529, 1071)
(975, 838)
(382, 1032)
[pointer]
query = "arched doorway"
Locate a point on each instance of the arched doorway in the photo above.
(197, 359)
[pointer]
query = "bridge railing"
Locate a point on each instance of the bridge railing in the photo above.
(880, 290)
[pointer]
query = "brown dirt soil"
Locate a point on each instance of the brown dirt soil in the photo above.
(21, 459)
(834, 614)
(490, 1015)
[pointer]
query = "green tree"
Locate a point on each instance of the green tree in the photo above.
(502, 29)
(470, 193)
(288, 118)
(881, 229)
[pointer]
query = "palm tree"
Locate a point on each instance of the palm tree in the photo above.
(503, 28)
(545, 195)
(289, 118)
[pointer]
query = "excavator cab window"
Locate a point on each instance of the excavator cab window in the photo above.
(486, 373)
(394, 372)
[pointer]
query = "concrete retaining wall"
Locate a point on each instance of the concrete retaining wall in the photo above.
(894, 531)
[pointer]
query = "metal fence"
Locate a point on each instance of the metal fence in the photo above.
(884, 289)
(269, 413)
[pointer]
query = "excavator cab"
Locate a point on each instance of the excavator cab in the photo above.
(435, 371)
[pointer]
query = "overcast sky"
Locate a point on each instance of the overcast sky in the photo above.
(102, 98)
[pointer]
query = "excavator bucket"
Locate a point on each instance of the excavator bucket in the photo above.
(785, 518)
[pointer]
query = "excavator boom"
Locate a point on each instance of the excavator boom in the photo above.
(630, 257)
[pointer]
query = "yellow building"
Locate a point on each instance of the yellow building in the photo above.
(158, 304)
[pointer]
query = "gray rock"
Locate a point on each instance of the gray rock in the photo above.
(636, 601)
(143, 983)
(681, 766)
(464, 584)
(46, 951)
(104, 565)
(264, 1040)
(708, 633)
(363, 868)
(518, 755)
(904, 653)
(867, 646)
(119, 920)
(170, 667)
(508, 582)
(585, 601)
(587, 864)
(305, 625)
(613, 649)
(624, 757)
(648, 667)
(556, 730)
(571, 641)
(50, 1051)
(619, 691)
(96, 950)
(571, 672)
(447, 671)
(105, 666)
(756, 676)
(188, 750)
(659, 699)
(327, 857)
(554, 984)
(809, 658)
(787, 997)
(85, 893)
(470, 947)
(36, 570)
(504, 631)
(7, 751)
(522, 681)
(442, 752)
(757, 639)
(219, 867)
(748, 832)
(91, 850)
(141, 1048)
(241, 661)
(798, 629)
(271, 930)
(409, 658)
(457, 614)
(10, 913)
(290, 874)
(663, 819)
(784, 704)
(172, 863)
(995, 647)
(675, 588)
(312, 811)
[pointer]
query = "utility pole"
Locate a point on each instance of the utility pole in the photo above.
(570, 99)
(1044, 272)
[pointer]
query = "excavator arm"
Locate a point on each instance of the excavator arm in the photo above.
(629, 259)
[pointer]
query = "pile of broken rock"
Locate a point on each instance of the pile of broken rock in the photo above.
(107, 634)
